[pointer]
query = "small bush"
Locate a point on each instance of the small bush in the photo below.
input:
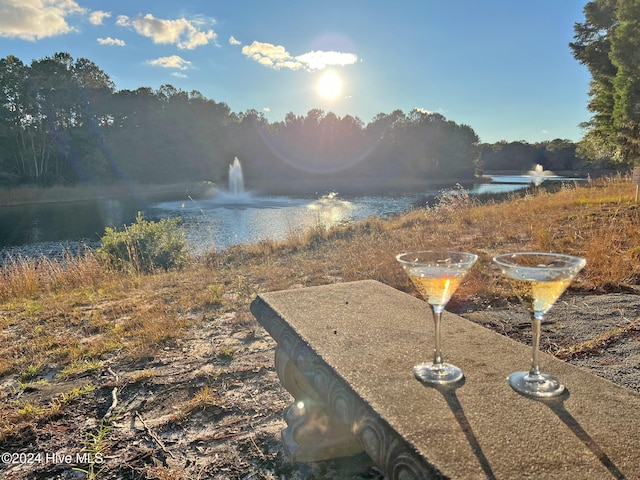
(145, 246)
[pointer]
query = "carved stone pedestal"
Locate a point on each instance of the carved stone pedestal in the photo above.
(313, 433)
(328, 418)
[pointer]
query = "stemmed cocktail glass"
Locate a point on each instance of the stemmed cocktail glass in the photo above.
(538, 279)
(437, 275)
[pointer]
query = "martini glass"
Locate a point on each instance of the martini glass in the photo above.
(538, 279)
(436, 275)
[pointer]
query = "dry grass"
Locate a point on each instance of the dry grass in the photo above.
(597, 344)
(62, 319)
(27, 278)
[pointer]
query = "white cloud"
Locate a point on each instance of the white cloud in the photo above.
(234, 41)
(179, 75)
(123, 21)
(111, 41)
(267, 54)
(98, 16)
(277, 57)
(267, 109)
(318, 59)
(36, 19)
(174, 61)
(181, 32)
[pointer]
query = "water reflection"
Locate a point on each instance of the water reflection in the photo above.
(329, 210)
(28, 229)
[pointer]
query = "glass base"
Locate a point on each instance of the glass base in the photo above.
(542, 385)
(444, 373)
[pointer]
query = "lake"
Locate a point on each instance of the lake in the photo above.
(212, 223)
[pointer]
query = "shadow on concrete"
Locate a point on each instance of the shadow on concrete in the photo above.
(556, 404)
(448, 391)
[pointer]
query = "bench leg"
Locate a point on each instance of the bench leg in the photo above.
(313, 433)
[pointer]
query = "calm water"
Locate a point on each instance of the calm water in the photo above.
(214, 223)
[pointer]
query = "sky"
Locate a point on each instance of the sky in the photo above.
(502, 67)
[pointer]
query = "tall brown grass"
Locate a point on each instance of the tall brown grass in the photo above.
(28, 277)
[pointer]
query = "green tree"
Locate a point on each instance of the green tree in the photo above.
(17, 121)
(50, 113)
(625, 55)
(608, 44)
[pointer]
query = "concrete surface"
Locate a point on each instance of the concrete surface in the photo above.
(370, 335)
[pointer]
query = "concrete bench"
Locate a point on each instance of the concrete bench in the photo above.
(346, 352)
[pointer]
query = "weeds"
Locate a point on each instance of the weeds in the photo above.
(29, 277)
(227, 353)
(215, 292)
(204, 398)
(31, 372)
(94, 450)
(79, 368)
(29, 410)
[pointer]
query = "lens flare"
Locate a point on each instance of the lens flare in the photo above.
(329, 85)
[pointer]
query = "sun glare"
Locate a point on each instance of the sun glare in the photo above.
(329, 86)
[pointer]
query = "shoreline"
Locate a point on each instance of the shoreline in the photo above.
(33, 195)
(30, 195)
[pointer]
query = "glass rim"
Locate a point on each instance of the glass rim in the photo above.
(470, 257)
(573, 258)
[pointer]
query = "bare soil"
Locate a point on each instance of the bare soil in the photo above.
(160, 425)
(193, 412)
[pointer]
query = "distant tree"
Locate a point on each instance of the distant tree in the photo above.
(50, 117)
(516, 156)
(559, 155)
(429, 147)
(522, 156)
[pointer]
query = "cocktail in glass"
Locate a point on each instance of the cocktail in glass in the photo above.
(437, 275)
(538, 279)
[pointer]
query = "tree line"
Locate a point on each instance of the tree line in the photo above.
(63, 122)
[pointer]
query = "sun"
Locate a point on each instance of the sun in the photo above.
(329, 85)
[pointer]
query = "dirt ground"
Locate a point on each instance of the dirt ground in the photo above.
(606, 327)
(193, 412)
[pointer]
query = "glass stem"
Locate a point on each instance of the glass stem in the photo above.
(537, 322)
(437, 320)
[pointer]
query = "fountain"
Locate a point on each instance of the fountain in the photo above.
(236, 179)
(235, 194)
(539, 174)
